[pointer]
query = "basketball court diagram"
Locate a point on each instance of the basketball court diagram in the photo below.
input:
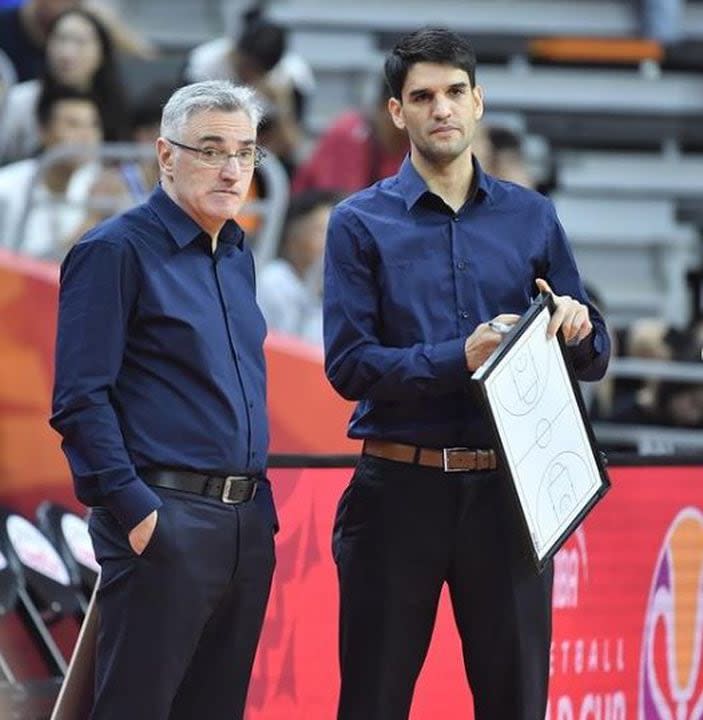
(542, 433)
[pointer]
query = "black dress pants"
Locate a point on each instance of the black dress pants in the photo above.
(402, 531)
(179, 624)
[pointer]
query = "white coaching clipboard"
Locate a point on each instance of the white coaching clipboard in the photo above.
(545, 438)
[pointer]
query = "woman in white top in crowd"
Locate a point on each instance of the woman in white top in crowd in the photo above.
(80, 55)
(289, 288)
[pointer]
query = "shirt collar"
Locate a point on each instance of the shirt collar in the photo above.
(181, 226)
(413, 186)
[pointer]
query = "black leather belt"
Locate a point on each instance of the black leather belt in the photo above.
(232, 489)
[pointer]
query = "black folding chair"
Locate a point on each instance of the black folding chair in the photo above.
(45, 592)
(19, 700)
(9, 588)
(68, 533)
(35, 590)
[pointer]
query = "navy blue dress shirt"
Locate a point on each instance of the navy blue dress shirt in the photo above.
(407, 280)
(159, 360)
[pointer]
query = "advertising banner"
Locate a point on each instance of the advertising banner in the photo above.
(628, 608)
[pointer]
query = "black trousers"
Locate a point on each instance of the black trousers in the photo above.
(402, 531)
(179, 624)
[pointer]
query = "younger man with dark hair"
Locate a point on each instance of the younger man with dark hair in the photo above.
(416, 267)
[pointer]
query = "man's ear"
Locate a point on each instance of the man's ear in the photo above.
(395, 108)
(478, 101)
(164, 153)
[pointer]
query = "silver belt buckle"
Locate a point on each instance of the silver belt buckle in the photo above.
(224, 496)
(446, 454)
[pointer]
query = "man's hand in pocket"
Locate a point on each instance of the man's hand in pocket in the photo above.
(140, 535)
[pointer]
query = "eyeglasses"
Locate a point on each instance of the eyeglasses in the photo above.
(246, 157)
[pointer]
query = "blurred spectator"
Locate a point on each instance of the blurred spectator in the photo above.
(648, 338)
(357, 150)
(289, 289)
(66, 117)
(633, 399)
(258, 57)
(499, 150)
(672, 404)
(649, 401)
(661, 20)
(24, 30)
(141, 177)
(120, 185)
(668, 403)
(679, 405)
(79, 54)
(7, 80)
(125, 37)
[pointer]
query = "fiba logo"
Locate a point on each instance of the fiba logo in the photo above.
(570, 567)
(671, 676)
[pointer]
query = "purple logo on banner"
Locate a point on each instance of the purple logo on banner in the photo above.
(671, 677)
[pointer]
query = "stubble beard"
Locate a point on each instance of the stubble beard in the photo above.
(442, 154)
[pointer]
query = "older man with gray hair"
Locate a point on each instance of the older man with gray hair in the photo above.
(160, 399)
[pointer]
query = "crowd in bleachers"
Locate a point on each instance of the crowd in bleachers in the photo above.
(77, 127)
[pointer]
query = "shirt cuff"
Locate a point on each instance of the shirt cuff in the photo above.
(132, 503)
(588, 349)
(450, 359)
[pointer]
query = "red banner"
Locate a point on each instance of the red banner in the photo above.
(628, 605)
(628, 609)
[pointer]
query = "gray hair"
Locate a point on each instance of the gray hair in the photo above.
(208, 95)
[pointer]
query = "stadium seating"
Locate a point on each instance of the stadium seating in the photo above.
(633, 251)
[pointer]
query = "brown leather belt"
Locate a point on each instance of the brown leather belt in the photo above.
(456, 459)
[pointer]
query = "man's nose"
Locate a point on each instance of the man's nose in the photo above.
(441, 107)
(231, 168)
